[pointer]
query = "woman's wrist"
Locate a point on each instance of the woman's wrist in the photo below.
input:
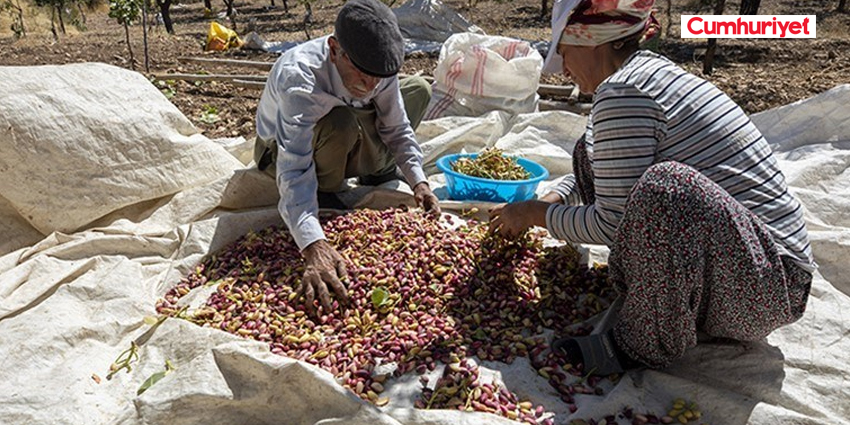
(552, 198)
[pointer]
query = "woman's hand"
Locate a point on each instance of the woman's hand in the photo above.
(511, 220)
(552, 198)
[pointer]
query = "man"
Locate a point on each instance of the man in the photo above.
(334, 108)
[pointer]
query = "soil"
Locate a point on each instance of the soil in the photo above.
(757, 73)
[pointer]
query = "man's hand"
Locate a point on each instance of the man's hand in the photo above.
(426, 199)
(511, 220)
(324, 266)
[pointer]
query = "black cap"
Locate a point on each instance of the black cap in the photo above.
(368, 32)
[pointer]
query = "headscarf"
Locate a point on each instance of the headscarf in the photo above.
(596, 22)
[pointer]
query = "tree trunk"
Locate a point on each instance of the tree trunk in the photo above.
(669, 18)
(61, 19)
(230, 14)
(543, 5)
(749, 7)
(82, 13)
(145, 34)
(21, 18)
(308, 18)
(164, 10)
(129, 47)
(208, 5)
(285, 7)
(708, 62)
(842, 6)
(53, 25)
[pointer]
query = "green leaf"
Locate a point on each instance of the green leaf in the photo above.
(151, 320)
(209, 114)
(380, 296)
(479, 334)
(153, 379)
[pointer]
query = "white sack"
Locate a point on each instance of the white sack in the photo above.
(82, 140)
(477, 74)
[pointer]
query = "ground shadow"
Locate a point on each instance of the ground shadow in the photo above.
(726, 378)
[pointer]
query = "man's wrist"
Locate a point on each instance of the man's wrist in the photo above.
(313, 246)
(307, 231)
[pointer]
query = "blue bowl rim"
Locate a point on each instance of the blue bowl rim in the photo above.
(443, 165)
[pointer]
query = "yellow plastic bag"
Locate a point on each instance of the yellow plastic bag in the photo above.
(221, 38)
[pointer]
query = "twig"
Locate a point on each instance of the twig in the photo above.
(249, 84)
(209, 77)
(267, 66)
(124, 359)
(821, 72)
(553, 105)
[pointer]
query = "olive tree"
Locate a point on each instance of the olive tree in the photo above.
(749, 7)
(16, 13)
(57, 10)
(125, 12)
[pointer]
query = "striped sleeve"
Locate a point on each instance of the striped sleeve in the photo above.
(566, 189)
(627, 128)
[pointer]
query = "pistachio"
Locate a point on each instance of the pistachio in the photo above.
(450, 293)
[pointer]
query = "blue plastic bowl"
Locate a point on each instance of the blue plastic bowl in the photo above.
(467, 188)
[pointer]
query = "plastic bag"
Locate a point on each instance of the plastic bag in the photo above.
(221, 38)
(477, 74)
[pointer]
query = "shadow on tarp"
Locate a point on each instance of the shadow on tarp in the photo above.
(248, 203)
(727, 379)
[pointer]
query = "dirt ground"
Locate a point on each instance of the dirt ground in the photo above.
(758, 74)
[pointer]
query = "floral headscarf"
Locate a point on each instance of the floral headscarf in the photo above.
(596, 22)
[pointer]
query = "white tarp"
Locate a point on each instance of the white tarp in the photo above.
(425, 25)
(75, 284)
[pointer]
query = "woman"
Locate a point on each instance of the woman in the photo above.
(679, 183)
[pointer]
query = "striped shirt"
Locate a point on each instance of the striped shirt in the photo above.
(651, 110)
